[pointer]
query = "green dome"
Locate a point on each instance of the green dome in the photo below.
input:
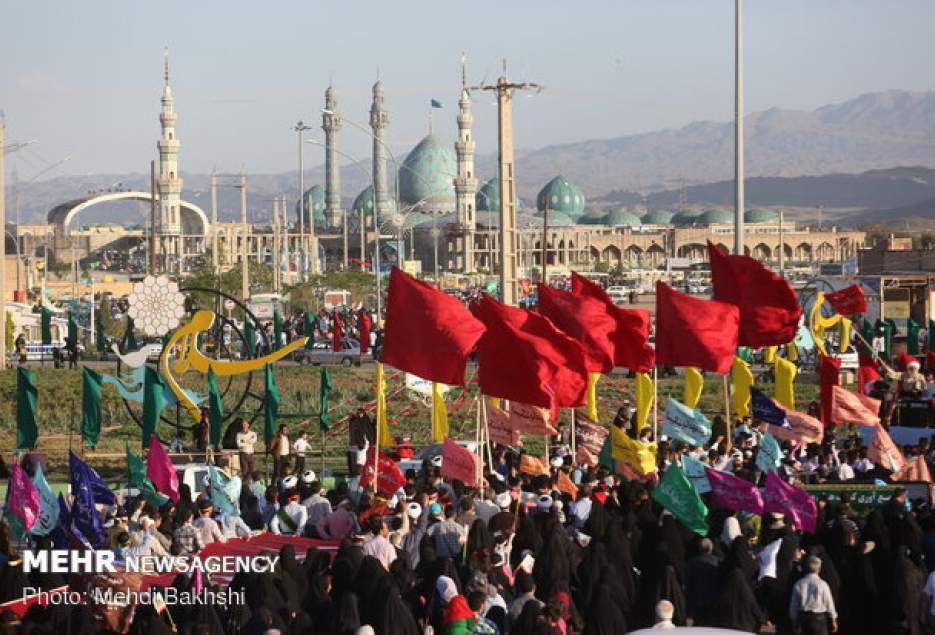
(562, 196)
(417, 218)
(314, 198)
(559, 219)
(426, 175)
(487, 198)
(759, 216)
(364, 201)
(686, 218)
(657, 217)
(593, 217)
(716, 217)
(622, 218)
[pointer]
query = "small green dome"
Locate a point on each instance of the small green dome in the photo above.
(716, 217)
(487, 198)
(315, 199)
(426, 175)
(761, 216)
(364, 201)
(657, 217)
(681, 219)
(557, 219)
(622, 218)
(593, 217)
(562, 196)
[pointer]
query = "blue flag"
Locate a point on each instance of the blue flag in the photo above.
(695, 471)
(225, 492)
(48, 506)
(101, 493)
(685, 424)
(60, 531)
(769, 454)
(764, 409)
(84, 517)
(436, 103)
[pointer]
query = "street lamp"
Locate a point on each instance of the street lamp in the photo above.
(300, 127)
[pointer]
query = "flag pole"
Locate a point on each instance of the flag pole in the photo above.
(655, 405)
(477, 441)
(572, 444)
(726, 384)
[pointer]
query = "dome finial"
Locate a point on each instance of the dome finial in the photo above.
(463, 70)
(165, 64)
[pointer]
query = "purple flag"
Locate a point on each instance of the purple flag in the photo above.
(24, 497)
(733, 493)
(781, 497)
(160, 470)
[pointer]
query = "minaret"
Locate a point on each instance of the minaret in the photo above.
(379, 119)
(331, 123)
(169, 184)
(465, 182)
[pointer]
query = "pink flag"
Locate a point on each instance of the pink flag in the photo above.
(198, 581)
(733, 493)
(499, 426)
(916, 470)
(849, 407)
(459, 463)
(883, 451)
(589, 440)
(24, 497)
(801, 428)
(783, 498)
(530, 419)
(160, 470)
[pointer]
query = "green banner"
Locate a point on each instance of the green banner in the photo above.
(45, 316)
(215, 408)
(676, 493)
(153, 403)
(249, 334)
(270, 406)
(27, 432)
(323, 395)
(863, 498)
(91, 399)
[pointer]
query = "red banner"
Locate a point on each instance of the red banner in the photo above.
(389, 478)
(499, 426)
(459, 463)
(848, 301)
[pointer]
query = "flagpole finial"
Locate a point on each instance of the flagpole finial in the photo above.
(165, 65)
(463, 70)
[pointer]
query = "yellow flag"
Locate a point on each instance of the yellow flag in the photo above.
(769, 354)
(592, 396)
(785, 375)
(694, 384)
(496, 402)
(819, 324)
(742, 380)
(644, 399)
(792, 352)
(641, 456)
(439, 414)
(384, 438)
(845, 334)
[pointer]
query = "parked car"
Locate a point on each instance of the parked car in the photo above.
(433, 453)
(321, 353)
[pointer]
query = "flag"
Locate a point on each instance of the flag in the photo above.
(277, 330)
(324, 393)
(630, 336)
(499, 425)
(308, 329)
(136, 471)
(436, 104)
(645, 396)
(769, 354)
(799, 428)
(215, 408)
(741, 382)
(131, 337)
(47, 518)
(792, 352)
(523, 357)
(589, 440)
(27, 432)
(685, 424)
(389, 476)
(249, 334)
(677, 494)
(641, 456)
(99, 489)
(45, 318)
(153, 403)
(225, 491)
(100, 337)
(734, 493)
(83, 516)
(769, 308)
(72, 329)
(884, 452)
(785, 372)
(565, 485)
(91, 399)
(533, 465)
(848, 301)
(24, 497)
(867, 374)
(694, 332)
(459, 463)
(916, 470)
(337, 332)
(844, 339)
(769, 454)
(365, 324)
(586, 320)
(270, 405)
(592, 396)
(849, 407)
(694, 471)
(439, 414)
(384, 438)
(766, 409)
(829, 369)
(428, 333)
(785, 498)
(694, 385)
(160, 471)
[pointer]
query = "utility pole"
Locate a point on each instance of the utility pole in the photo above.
(300, 127)
(505, 88)
(245, 262)
(782, 246)
(544, 278)
(277, 256)
(152, 219)
(738, 129)
(214, 224)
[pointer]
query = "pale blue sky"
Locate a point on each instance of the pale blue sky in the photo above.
(84, 78)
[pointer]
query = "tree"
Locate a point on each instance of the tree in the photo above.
(10, 331)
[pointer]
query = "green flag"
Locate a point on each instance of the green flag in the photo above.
(215, 407)
(131, 338)
(743, 352)
(90, 406)
(100, 338)
(46, 318)
(72, 328)
(606, 457)
(324, 418)
(249, 334)
(153, 403)
(912, 337)
(308, 329)
(27, 433)
(677, 494)
(270, 405)
(866, 329)
(277, 331)
(137, 473)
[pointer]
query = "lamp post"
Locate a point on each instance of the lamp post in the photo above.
(300, 127)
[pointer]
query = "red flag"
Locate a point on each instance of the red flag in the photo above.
(428, 332)
(695, 332)
(584, 318)
(829, 370)
(337, 332)
(848, 301)
(631, 335)
(867, 374)
(523, 357)
(769, 308)
(848, 407)
(459, 463)
(365, 324)
(389, 476)
(160, 470)
(916, 470)
(883, 451)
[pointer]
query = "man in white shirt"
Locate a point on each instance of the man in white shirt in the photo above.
(246, 443)
(208, 529)
(316, 505)
(378, 545)
(299, 447)
(664, 613)
(291, 519)
(233, 526)
(811, 606)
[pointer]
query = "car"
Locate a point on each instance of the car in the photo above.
(195, 475)
(433, 453)
(321, 353)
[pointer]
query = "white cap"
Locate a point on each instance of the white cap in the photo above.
(544, 503)
(527, 497)
(437, 460)
(557, 461)
(609, 481)
(414, 510)
(583, 539)
(308, 476)
(393, 502)
(503, 500)
(290, 482)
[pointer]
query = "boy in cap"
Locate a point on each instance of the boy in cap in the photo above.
(208, 529)
(291, 519)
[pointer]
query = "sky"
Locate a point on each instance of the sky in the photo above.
(84, 78)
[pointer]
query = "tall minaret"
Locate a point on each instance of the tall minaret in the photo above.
(379, 120)
(465, 182)
(331, 123)
(169, 184)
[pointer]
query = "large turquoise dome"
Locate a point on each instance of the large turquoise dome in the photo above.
(315, 199)
(364, 202)
(716, 217)
(562, 196)
(559, 219)
(657, 217)
(622, 218)
(426, 176)
(682, 219)
(487, 198)
(760, 216)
